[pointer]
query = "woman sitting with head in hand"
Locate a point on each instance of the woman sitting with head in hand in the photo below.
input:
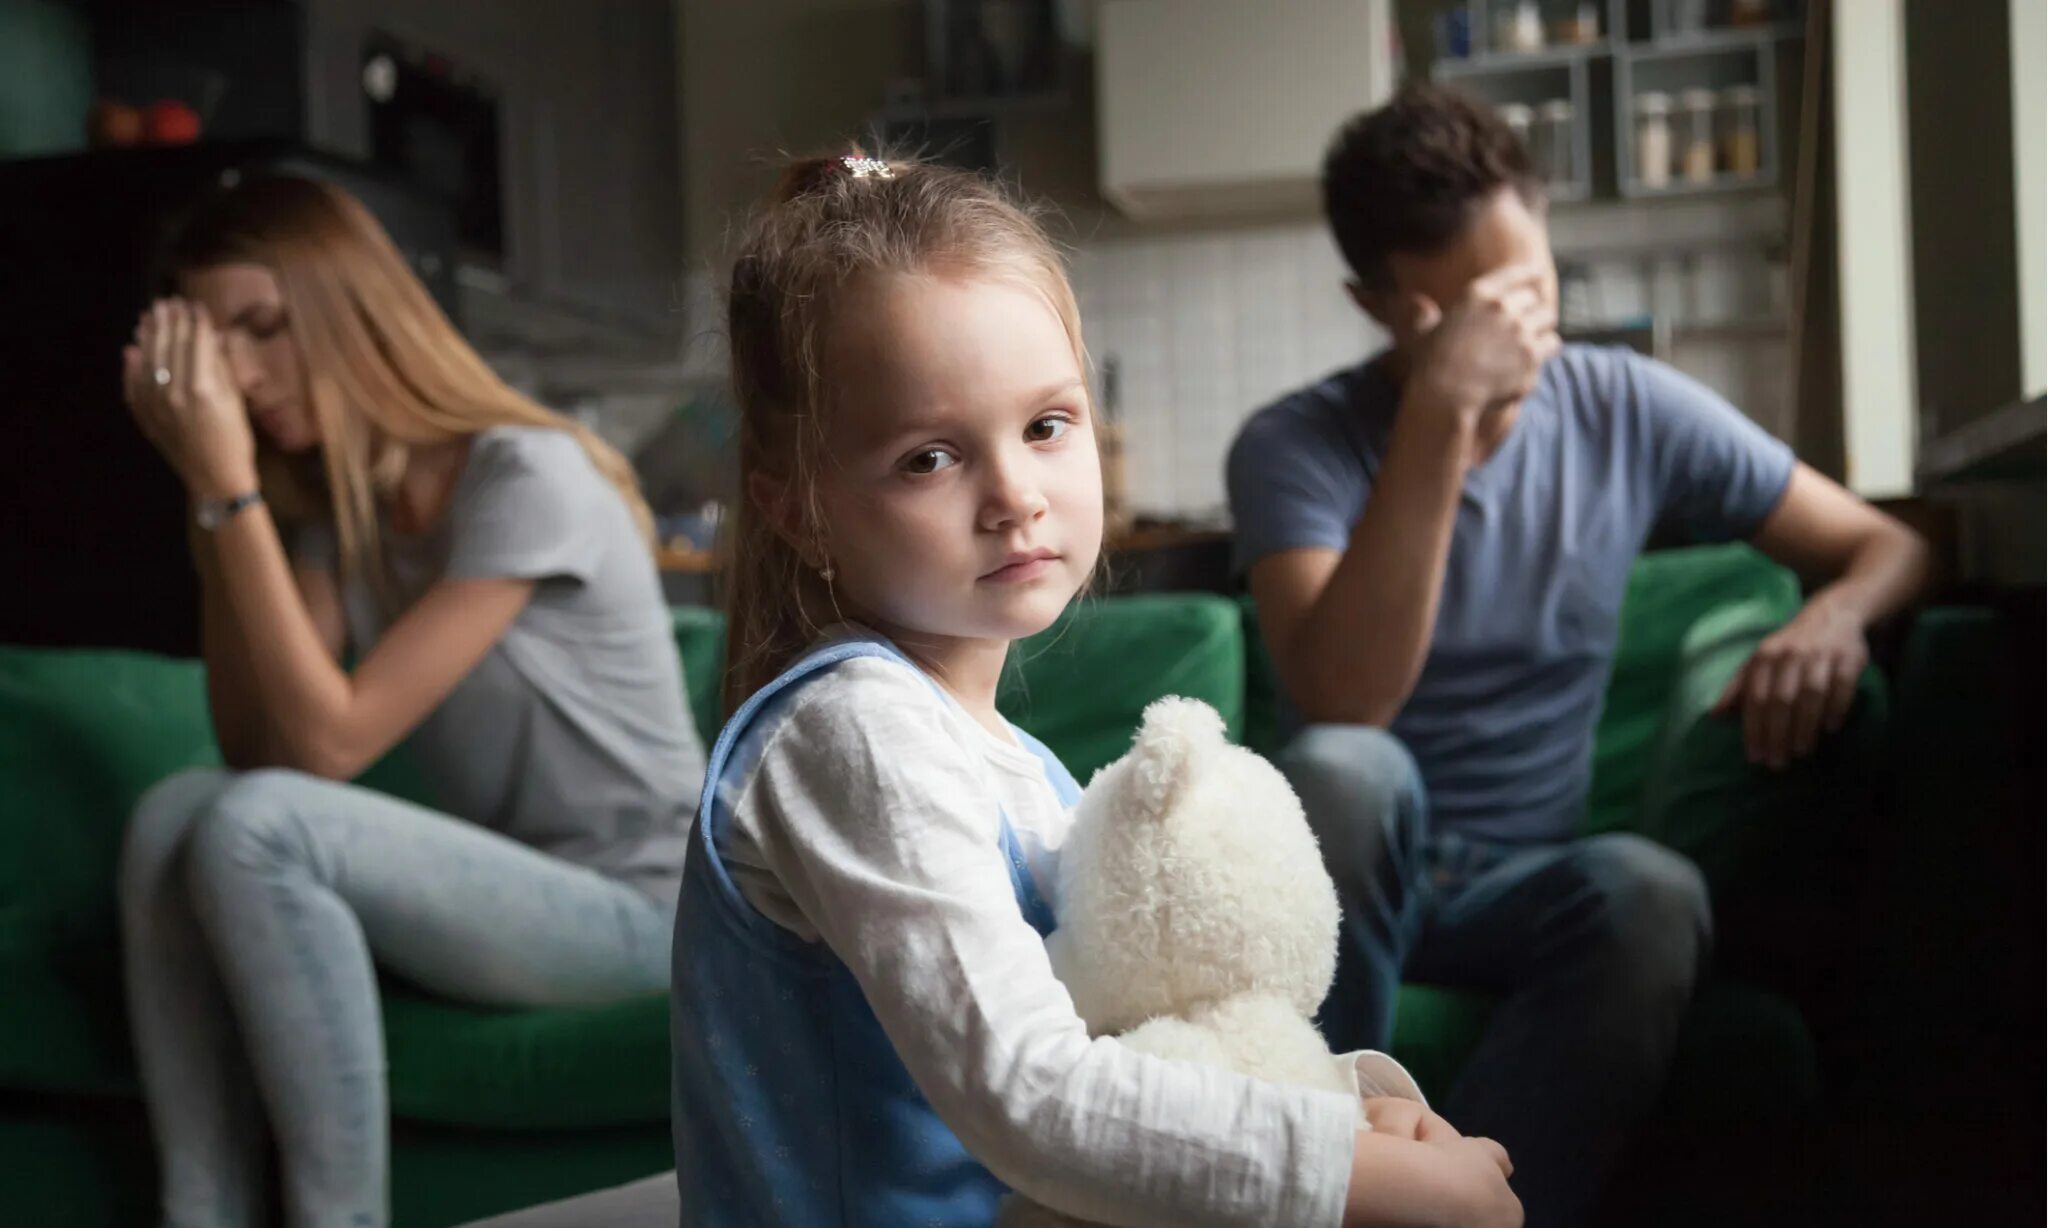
(393, 546)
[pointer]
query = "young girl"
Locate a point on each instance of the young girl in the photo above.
(488, 564)
(866, 1027)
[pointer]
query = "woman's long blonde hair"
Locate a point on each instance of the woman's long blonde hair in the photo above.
(385, 370)
(831, 222)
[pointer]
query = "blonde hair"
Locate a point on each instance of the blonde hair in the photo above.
(831, 222)
(385, 370)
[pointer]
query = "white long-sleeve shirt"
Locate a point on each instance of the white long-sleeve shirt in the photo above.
(870, 822)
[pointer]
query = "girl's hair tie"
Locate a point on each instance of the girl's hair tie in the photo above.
(866, 168)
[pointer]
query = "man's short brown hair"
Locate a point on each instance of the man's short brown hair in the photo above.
(1406, 177)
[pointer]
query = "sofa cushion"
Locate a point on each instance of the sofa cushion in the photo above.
(563, 1067)
(67, 1163)
(82, 735)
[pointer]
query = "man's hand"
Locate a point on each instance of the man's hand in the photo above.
(1487, 350)
(1800, 682)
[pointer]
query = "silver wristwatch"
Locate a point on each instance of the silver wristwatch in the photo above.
(213, 513)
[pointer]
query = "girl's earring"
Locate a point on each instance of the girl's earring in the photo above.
(825, 573)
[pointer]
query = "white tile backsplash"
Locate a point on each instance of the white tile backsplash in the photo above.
(1205, 329)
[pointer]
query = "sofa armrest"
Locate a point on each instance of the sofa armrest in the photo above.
(1745, 825)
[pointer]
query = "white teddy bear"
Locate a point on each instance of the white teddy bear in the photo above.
(1196, 921)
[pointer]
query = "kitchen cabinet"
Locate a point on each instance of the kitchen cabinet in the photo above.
(1225, 107)
(588, 133)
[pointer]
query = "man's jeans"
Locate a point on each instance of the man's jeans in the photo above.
(1592, 947)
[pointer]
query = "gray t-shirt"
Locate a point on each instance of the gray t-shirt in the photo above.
(1609, 446)
(572, 735)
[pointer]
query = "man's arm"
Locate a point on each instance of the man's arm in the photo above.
(1802, 679)
(1349, 631)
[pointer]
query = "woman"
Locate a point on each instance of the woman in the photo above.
(484, 564)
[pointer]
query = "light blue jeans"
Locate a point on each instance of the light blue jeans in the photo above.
(252, 907)
(1591, 946)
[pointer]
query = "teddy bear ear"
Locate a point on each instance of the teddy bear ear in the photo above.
(1189, 719)
(1174, 733)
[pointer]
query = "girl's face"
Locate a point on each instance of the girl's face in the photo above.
(960, 488)
(248, 307)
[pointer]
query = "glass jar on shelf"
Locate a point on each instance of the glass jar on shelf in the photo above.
(1518, 116)
(1573, 23)
(1454, 33)
(1683, 17)
(1653, 139)
(1749, 12)
(1551, 146)
(1696, 135)
(1518, 26)
(1741, 148)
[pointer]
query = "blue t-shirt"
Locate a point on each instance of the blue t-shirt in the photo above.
(1607, 447)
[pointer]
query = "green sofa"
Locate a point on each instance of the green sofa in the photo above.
(499, 1109)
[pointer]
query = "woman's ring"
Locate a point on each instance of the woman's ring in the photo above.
(163, 377)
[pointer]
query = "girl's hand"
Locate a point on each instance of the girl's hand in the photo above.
(175, 380)
(1402, 1118)
(1442, 1183)
(1485, 1170)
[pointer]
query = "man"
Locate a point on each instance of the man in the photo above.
(1438, 541)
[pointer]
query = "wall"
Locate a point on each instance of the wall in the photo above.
(1203, 328)
(1875, 236)
(771, 76)
(756, 81)
(2029, 31)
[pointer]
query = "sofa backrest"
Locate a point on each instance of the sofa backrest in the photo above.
(83, 732)
(1081, 685)
(1668, 593)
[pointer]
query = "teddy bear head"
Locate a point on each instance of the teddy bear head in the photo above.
(1189, 877)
